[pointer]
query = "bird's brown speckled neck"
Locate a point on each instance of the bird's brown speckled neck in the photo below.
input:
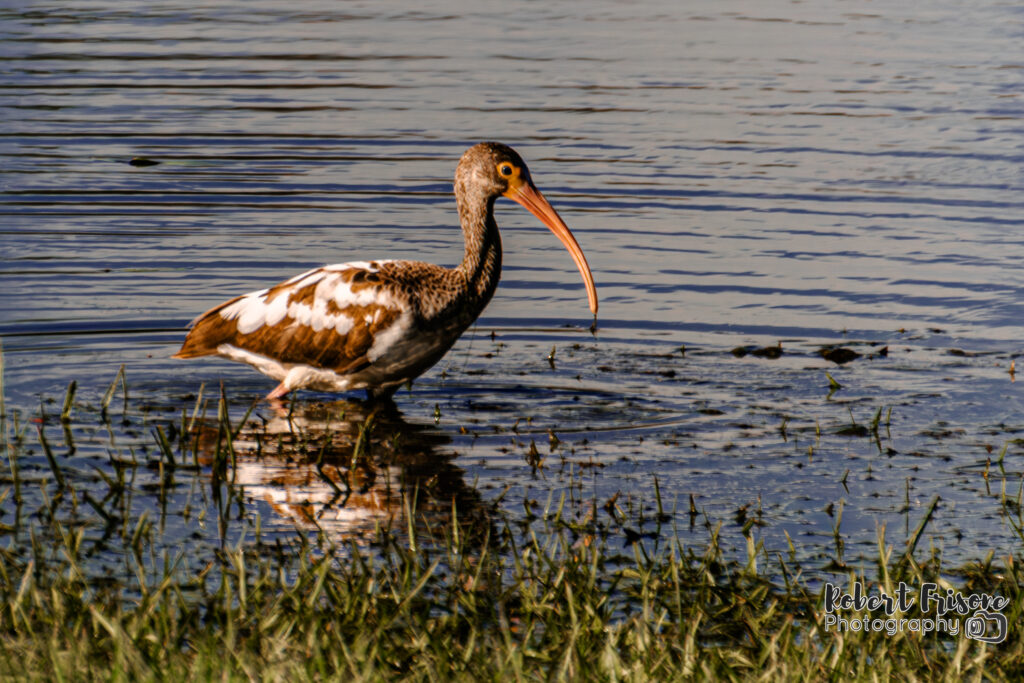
(475, 193)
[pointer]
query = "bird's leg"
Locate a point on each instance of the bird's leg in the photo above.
(279, 391)
(383, 395)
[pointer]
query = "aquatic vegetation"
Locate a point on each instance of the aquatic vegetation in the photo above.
(436, 584)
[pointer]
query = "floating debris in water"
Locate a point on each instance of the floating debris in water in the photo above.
(839, 355)
(758, 351)
(853, 430)
(768, 351)
(142, 162)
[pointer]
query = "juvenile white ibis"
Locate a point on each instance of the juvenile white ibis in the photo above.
(379, 324)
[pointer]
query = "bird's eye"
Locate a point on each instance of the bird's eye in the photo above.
(505, 170)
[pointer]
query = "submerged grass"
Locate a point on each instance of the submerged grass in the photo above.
(548, 596)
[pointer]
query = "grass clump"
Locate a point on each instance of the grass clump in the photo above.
(562, 605)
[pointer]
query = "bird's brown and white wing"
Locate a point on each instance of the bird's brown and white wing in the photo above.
(338, 318)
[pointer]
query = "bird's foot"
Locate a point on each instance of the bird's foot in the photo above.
(279, 391)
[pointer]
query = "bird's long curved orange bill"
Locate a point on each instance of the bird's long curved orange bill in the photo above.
(530, 198)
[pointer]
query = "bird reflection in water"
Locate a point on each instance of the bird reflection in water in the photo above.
(346, 468)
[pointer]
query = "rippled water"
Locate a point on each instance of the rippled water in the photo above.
(738, 174)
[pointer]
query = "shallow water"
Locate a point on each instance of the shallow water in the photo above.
(738, 174)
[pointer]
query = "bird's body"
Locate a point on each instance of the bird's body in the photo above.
(377, 325)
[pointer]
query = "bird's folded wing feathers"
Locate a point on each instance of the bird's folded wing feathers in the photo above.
(336, 317)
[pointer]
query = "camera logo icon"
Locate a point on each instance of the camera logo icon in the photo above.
(987, 627)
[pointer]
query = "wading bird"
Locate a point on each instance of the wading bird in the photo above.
(379, 324)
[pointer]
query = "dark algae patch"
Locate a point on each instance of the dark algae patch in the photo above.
(839, 355)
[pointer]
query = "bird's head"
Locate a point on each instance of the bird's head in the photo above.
(491, 168)
(497, 170)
